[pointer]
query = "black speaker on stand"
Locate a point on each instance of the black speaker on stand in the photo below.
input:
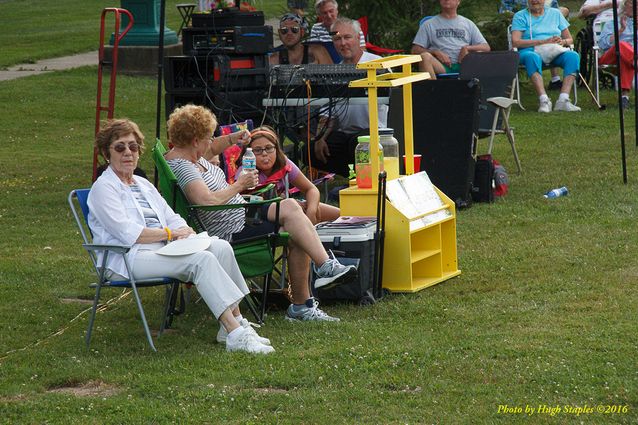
(445, 130)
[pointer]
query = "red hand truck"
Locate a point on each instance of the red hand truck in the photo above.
(110, 107)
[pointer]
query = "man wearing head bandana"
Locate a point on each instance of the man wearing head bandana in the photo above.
(292, 29)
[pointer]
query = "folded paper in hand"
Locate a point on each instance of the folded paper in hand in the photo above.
(190, 245)
(549, 52)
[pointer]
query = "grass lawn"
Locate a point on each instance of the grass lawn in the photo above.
(33, 29)
(544, 313)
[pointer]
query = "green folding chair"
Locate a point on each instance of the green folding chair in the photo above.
(255, 256)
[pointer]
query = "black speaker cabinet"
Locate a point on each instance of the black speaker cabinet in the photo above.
(445, 121)
(232, 106)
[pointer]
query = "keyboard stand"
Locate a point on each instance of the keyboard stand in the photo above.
(320, 101)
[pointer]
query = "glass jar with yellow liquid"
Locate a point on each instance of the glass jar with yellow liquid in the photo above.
(390, 152)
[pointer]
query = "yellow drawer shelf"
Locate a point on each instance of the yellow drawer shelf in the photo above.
(421, 255)
(413, 259)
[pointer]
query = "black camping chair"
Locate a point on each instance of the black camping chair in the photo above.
(496, 72)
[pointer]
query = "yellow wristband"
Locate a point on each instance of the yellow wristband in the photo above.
(168, 232)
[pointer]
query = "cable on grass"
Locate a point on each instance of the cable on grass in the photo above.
(101, 308)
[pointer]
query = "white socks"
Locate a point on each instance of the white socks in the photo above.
(562, 97)
(555, 78)
(235, 333)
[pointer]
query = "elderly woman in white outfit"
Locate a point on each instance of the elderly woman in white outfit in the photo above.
(127, 209)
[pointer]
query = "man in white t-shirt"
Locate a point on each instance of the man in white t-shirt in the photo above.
(445, 39)
(337, 133)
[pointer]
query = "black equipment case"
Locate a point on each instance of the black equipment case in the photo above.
(227, 18)
(482, 188)
(446, 125)
(239, 40)
(188, 73)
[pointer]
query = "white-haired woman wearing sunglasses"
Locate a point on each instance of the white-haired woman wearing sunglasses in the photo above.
(126, 209)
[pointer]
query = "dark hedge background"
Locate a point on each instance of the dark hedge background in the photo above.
(393, 23)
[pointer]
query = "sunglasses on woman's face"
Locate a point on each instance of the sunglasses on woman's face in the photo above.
(267, 149)
(284, 30)
(121, 147)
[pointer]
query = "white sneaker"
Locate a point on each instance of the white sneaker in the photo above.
(306, 313)
(222, 334)
(566, 106)
(545, 107)
(246, 341)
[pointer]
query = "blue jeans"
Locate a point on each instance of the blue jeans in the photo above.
(569, 61)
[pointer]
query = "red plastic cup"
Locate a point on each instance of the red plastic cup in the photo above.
(417, 162)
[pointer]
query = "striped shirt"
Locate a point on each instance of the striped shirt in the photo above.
(319, 33)
(217, 223)
(150, 216)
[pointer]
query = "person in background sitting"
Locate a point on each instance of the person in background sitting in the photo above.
(547, 26)
(445, 39)
(327, 13)
(190, 129)
(125, 209)
(338, 129)
(292, 29)
(274, 167)
(626, 45)
(514, 6)
(601, 9)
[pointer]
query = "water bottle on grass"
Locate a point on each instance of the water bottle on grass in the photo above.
(556, 193)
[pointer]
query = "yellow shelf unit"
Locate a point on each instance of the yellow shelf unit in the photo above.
(413, 259)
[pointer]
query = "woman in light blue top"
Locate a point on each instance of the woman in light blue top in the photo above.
(537, 26)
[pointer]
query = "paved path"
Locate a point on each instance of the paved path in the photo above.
(48, 65)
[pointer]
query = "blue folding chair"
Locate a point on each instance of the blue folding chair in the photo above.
(80, 210)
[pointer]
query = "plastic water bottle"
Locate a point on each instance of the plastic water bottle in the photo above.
(248, 162)
(556, 193)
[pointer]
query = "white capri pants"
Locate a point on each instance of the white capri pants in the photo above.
(214, 271)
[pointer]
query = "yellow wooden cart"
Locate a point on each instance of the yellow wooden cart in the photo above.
(415, 257)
